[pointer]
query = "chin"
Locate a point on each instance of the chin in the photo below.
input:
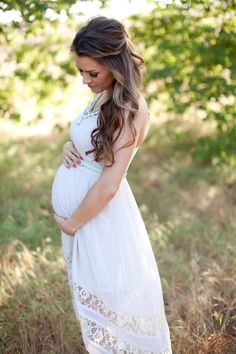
(94, 89)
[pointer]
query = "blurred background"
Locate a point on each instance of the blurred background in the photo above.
(187, 198)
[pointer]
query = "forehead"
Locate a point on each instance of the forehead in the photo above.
(86, 63)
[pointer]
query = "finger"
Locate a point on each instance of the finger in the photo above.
(69, 164)
(75, 152)
(65, 162)
(72, 163)
(77, 155)
(72, 152)
(72, 157)
(72, 160)
(58, 219)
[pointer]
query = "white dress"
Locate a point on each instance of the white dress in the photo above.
(112, 273)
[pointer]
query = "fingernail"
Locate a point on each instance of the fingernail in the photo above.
(81, 158)
(74, 165)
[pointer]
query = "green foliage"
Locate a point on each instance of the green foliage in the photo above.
(35, 10)
(34, 64)
(188, 47)
(38, 66)
(31, 11)
(189, 52)
(35, 60)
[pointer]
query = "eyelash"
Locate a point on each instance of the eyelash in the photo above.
(91, 74)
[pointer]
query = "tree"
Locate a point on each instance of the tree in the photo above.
(189, 49)
(35, 52)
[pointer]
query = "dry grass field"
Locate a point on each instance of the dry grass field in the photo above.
(189, 211)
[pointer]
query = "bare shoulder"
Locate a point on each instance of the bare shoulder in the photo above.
(143, 112)
(143, 103)
(143, 119)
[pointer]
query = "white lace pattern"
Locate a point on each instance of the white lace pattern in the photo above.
(103, 338)
(141, 325)
(95, 333)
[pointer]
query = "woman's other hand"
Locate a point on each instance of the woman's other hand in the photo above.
(70, 155)
(66, 226)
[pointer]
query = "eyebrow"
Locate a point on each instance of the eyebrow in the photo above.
(87, 71)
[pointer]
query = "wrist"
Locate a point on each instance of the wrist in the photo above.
(74, 225)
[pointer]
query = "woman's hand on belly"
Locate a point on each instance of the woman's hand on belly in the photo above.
(70, 155)
(66, 225)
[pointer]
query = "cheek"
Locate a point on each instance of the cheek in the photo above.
(108, 78)
(105, 79)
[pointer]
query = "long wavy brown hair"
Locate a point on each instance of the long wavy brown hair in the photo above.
(107, 41)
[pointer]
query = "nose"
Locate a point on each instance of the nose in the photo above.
(86, 79)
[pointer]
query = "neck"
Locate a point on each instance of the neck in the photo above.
(107, 94)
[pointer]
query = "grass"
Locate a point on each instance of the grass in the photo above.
(189, 211)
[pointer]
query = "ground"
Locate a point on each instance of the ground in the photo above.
(189, 211)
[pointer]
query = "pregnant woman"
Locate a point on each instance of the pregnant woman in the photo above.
(113, 276)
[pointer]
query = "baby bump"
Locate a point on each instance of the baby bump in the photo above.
(67, 191)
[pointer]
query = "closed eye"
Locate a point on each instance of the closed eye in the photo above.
(91, 74)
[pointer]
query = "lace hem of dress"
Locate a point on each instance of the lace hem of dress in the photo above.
(141, 325)
(105, 340)
(153, 325)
